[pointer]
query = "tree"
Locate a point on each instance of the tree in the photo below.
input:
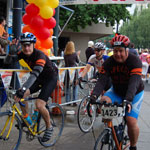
(138, 29)
(85, 15)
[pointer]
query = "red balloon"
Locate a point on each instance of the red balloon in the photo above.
(32, 9)
(37, 23)
(54, 11)
(50, 23)
(43, 33)
(26, 19)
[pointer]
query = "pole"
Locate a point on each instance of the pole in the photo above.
(17, 17)
(56, 31)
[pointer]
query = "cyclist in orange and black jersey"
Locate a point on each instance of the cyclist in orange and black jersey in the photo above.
(125, 70)
(43, 77)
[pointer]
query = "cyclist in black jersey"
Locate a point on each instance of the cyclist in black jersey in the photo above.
(125, 70)
(42, 77)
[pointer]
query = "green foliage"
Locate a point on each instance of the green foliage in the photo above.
(85, 15)
(138, 29)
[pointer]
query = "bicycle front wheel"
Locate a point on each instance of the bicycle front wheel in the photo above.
(85, 122)
(104, 141)
(57, 121)
(13, 140)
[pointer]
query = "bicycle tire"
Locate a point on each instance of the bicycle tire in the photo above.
(57, 120)
(104, 141)
(11, 143)
(85, 122)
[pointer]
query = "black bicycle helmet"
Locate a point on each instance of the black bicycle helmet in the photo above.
(99, 46)
(27, 38)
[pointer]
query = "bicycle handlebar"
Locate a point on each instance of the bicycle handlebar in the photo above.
(104, 103)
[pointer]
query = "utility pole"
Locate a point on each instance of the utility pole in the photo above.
(17, 17)
(56, 31)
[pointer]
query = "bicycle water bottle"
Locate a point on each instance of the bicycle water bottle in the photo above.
(35, 116)
(28, 119)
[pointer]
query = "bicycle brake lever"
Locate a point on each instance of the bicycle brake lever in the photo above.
(21, 104)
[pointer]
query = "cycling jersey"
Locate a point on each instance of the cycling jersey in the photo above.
(42, 67)
(93, 61)
(126, 77)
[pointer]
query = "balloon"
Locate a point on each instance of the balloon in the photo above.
(45, 51)
(46, 12)
(32, 9)
(51, 32)
(54, 12)
(37, 23)
(50, 23)
(26, 19)
(48, 43)
(53, 3)
(30, 1)
(43, 33)
(26, 28)
(38, 44)
(40, 3)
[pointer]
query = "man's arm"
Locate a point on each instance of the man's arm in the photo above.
(86, 69)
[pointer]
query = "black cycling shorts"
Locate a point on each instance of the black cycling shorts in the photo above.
(47, 86)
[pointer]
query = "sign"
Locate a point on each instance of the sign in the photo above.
(73, 2)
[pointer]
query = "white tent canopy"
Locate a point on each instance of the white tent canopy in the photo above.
(72, 2)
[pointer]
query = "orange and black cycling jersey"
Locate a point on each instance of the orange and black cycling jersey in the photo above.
(42, 67)
(126, 77)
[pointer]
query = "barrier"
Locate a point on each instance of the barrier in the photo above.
(59, 95)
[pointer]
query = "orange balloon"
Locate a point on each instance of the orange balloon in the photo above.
(26, 28)
(48, 43)
(38, 44)
(51, 32)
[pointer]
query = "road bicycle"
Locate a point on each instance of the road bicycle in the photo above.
(12, 124)
(85, 122)
(113, 137)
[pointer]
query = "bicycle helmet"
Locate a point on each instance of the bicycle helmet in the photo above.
(99, 46)
(120, 41)
(27, 38)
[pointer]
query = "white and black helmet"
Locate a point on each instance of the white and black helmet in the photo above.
(99, 46)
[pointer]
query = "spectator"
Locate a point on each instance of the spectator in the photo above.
(71, 60)
(90, 50)
(3, 36)
(132, 50)
(145, 65)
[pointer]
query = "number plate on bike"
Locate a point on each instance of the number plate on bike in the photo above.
(109, 112)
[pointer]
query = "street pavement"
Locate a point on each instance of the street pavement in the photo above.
(73, 139)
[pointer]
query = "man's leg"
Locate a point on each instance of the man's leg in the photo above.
(40, 105)
(133, 130)
(25, 109)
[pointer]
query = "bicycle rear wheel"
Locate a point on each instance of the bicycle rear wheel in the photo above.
(85, 122)
(57, 121)
(14, 139)
(104, 141)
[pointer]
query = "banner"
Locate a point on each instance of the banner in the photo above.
(6, 78)
(73, 2)
(23, 76)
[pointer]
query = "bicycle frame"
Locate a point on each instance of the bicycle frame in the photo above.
(14, 111)
(110, 125)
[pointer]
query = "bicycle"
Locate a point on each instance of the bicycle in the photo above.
(12, 123)
(85, 122)
(113, 137)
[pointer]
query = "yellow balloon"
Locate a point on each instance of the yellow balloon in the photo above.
(53, 3)
(46, 12)
(30, 1)
(40, 3)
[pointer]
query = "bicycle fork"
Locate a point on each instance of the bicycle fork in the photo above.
(5, 126)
